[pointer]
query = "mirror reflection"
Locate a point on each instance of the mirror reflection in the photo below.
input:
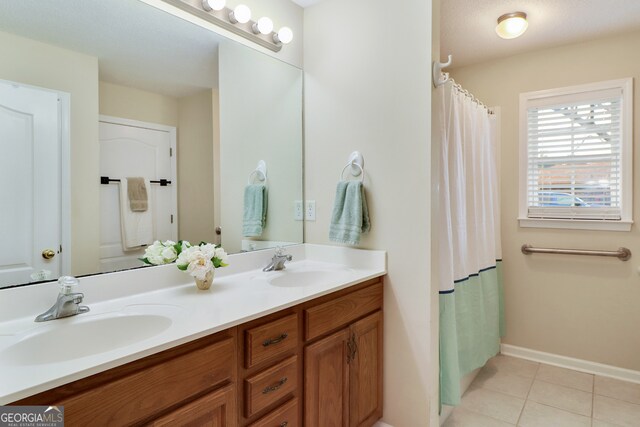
(121, 124)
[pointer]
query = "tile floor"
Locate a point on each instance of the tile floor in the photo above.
(509, 391)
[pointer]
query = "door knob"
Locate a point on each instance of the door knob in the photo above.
(48, 253)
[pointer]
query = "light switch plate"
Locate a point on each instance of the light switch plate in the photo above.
(310, 210)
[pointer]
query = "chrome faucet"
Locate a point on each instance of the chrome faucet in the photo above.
(67, 304)
(278, 260)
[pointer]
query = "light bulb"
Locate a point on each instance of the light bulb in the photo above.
(263, 26)
(210, 5)
(512, 25)
(284, 35)
(241, 14)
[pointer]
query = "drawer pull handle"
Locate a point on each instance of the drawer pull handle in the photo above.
(284, 424)
(275, 340)
(274, 387)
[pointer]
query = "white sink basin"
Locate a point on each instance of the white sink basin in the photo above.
(306, 277)
(77, 337)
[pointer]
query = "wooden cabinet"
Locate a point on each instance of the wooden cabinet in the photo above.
(270, 369)
(326, 381)
(165, 384)
(343, 371)
(286, 415)
(365, 371)
(215, 409)
(318, 363)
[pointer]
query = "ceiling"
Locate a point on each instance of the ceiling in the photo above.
(467, 27)
(136, 44)
(305, 3)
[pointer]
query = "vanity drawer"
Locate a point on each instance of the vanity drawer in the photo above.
(271, 385)
(138, 396)
(270, 340)
(283, 416)
(341, 311)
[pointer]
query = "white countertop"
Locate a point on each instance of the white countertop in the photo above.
(240, 293)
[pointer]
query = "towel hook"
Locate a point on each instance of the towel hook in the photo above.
(356, 162)
(260, 172)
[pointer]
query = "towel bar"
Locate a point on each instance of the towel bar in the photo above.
(163, 182)
(623, 254)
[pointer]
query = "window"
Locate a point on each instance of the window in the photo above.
(576, 157)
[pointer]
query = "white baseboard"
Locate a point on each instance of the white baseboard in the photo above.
(381, 424)
(571, 363)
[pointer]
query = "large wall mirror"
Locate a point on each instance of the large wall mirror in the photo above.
(94, 95)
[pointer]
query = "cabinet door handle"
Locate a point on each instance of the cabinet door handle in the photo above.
(355, 346)
(352, 347)
(275, 340)
(284, 424)
(274, 387)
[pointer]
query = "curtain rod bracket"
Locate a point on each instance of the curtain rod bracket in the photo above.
(440, 77)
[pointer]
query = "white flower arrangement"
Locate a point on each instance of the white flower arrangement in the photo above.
(196, 260)
(160, 253)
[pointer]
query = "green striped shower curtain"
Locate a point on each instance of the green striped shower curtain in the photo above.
(471, 302)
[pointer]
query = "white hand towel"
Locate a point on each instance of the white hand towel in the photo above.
(136, 228)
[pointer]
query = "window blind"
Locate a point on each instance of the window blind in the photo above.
(574, 149)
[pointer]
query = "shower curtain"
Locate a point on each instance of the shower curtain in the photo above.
(471, 305)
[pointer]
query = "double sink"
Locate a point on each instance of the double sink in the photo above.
(100, 331)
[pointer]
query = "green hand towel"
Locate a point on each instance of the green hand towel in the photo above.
(255, 210)
(350, 217)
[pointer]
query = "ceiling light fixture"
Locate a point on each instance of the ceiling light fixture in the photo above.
(284, 35)
(241, 14)
(237, 21)
(210, 5)
(263, 26)
(512, 25)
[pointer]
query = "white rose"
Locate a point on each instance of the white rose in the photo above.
(153, 253)
(208, 249)
(169, 243)
(169, 254)
(199, 267)
(220, 253)
(188, 255)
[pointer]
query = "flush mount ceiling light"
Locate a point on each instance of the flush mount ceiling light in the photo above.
(238, 21)
(512, 25)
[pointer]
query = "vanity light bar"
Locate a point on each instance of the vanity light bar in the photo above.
(238, 21)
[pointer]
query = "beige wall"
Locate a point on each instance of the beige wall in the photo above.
(135, 104)
(38, 64)
(579, 307)
(195, 167)
(370, 92)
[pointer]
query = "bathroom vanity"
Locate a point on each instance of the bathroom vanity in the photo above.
(305, 348)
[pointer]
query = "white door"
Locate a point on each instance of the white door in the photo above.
(30, 183)
(130, 149)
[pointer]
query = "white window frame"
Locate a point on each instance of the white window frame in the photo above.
(626, 183)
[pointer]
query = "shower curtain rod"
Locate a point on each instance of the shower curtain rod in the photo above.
(468, 94)
(440, 78)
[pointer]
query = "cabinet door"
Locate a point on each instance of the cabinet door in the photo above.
(216, 409)
(326, 382)
(365, 371)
